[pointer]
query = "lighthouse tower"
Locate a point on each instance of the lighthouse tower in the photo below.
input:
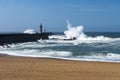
(41, 28)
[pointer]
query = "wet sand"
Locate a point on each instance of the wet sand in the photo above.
(19, 68)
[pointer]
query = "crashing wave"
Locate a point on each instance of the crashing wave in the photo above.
(74, 32)
(77, 34)
(29, 31)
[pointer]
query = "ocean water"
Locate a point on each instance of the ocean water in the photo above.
(73, 44)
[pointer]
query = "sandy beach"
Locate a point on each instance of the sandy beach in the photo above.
(19, 68)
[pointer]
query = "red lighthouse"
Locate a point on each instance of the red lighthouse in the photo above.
(41, 28)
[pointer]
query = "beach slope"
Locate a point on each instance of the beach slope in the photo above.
(19, 68)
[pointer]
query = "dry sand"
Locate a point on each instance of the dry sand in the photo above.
(17, 68)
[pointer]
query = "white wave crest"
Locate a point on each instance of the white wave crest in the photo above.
(60, 37)
(29, 31)
(74, 32)
(77, 35)
(110, 57)
(36, 53)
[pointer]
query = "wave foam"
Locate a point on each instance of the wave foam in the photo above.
(107, 57)
(29, 31)
(74, 32)
(37, 53)
(79, 36)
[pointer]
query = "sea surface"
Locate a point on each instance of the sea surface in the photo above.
(73, 44)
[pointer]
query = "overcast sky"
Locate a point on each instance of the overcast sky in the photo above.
(94, 15)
